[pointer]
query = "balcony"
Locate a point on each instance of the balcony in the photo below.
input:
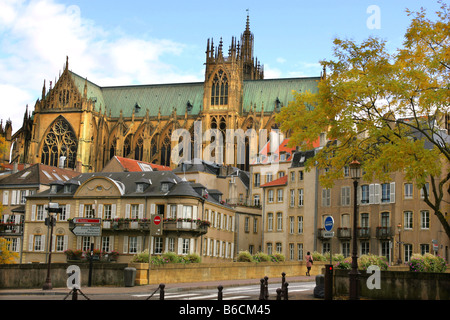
(11, 229)
(344, 233)
(196, 227)
(384, 233)
(363, 233)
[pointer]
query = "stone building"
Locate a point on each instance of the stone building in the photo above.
(194, 220)
(81, 125)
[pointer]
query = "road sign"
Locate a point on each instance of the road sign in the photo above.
(328, 234)
(156, 228)
(87, 220)
(329, 223)
(94, 231)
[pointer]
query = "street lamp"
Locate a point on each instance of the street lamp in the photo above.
(355, 173)
(399, 261)
(50, 221)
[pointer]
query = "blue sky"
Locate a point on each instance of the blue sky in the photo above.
(149, 42)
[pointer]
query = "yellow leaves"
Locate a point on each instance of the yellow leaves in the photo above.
(6, 256)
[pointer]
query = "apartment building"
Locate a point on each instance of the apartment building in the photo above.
(15, 188)
(194, 220)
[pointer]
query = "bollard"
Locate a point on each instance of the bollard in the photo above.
(220, 294)
(74, 294)
(266, 288)
(161, 291)
(261, 290)
(285, 291)
(283, 280)
(279, 294)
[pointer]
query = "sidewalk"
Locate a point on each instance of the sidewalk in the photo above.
(171, 286)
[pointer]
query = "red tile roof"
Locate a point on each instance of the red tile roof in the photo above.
(278, 182)
(133, 165)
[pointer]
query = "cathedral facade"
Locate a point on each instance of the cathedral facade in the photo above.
(80, 125)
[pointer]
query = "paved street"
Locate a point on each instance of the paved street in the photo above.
(300, 288)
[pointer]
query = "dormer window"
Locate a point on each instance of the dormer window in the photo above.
(67, 188)
(54, 188)
(164, 187)
(140, 187)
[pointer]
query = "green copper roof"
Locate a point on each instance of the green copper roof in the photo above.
(259, 92)
(166, 97)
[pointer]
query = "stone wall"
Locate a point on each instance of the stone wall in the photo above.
(33, 275)
(398, 285)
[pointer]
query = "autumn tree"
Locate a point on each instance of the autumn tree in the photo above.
(387, 110)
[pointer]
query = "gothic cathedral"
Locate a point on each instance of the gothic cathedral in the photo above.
(80, 125)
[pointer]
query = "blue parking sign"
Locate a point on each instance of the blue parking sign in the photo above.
(329, 223)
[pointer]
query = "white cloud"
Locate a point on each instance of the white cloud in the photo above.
(37, 35)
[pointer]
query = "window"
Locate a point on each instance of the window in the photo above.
(346, 171)
(133, 245)
(408, 190)
(246, 223)
(365, 193)
(38, 244)
(300, 251)
(106, 244)
(59, 243)
(407, 249)
(424, 248)
(300, 197)
(408, 220)
(158, 245)
(88, 211)
(40, 212)
(173, 211)
(385, 192)
(270, 196)
(300, 224)
(255, 225)
(269, 221)
(171, 244)
(346, 249)
(256, 179)
(279, 221)
(278, 247)
(185, 246)
(219, 89)
(86, 243)
(292, 176)
(365, 247)
(256, 200)
(269, 248)
(425, 219)
(300, 175)
(280, 195)
(269, 177)
(134, 211)
(63, 215)
(427, 187)
(107, 209)
(291, 251)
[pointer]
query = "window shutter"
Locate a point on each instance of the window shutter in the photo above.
(53, 242)
(42, 242)
(139, 244)
(167, 215)
(45, 215)
(152, 208)
(111, 243)
(192, 245)
(5, 197)
(179, 211)
(232, 250)
(377, 194)
(66, 241)
(113, 211)
(80, 211)
(194, 212)
(13, 196)
(125, 244)
(30, 242)
(392, 195)
(78, 243)
(141, 211)
(127, 211)
(232, 224)
(180, 245)
(67, 211)
(100, 211)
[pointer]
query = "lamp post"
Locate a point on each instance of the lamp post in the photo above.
(399, 261)
(50, 221)
(355, 172)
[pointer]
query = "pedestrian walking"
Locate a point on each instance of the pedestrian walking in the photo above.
(309, 262)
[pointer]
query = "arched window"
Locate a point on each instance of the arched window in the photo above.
(219, 89)
(59, 142)
(166, 149)
(139, 149)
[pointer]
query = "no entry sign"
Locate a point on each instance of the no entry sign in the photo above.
(157, 220)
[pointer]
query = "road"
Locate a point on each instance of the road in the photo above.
(247, 292)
